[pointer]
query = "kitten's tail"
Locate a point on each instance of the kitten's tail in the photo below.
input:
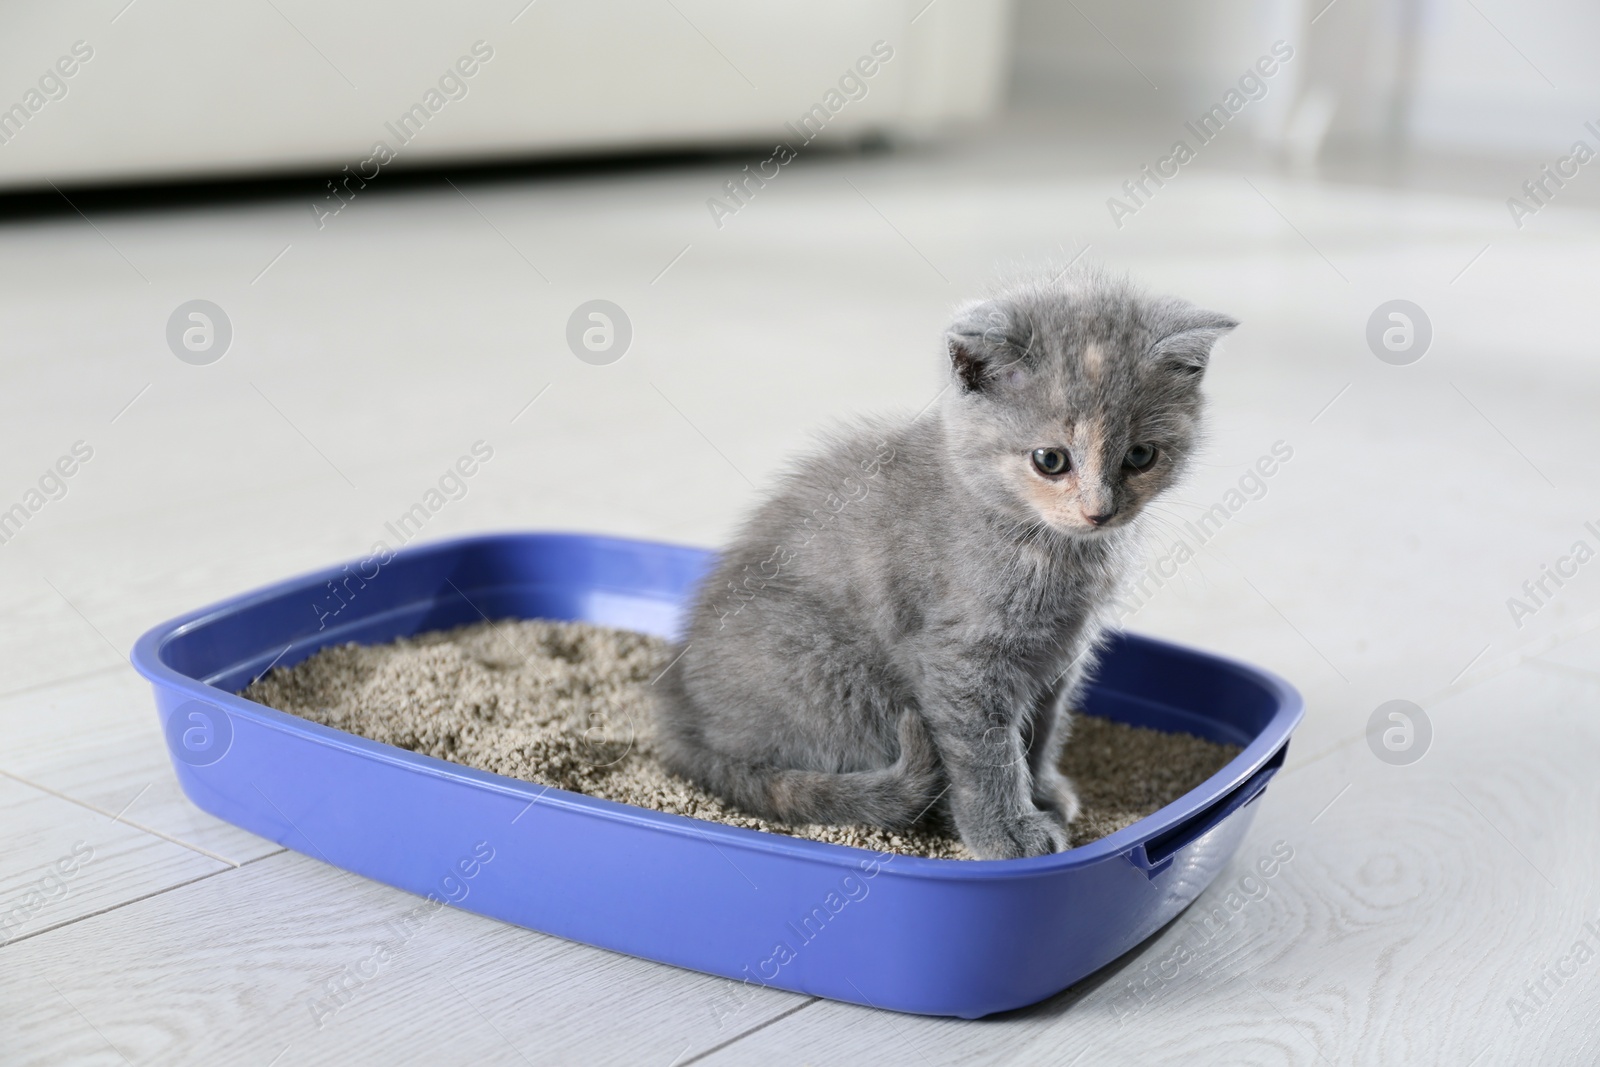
(893, 797)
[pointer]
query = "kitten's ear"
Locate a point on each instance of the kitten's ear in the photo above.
(983, 341)
(1186, 337)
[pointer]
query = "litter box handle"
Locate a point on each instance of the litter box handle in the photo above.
(1155, 855)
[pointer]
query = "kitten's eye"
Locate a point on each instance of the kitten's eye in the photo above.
(1051, 461)
(1139, 457)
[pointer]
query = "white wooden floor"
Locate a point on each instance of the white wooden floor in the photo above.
(1424, 904)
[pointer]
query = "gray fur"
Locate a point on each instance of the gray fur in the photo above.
(901, 630)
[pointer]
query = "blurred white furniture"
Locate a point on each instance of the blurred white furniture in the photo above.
(185, 89)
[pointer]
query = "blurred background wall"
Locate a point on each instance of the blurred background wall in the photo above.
(177, 89)
(1475, 77)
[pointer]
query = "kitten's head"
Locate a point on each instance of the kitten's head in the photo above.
(1076, 401)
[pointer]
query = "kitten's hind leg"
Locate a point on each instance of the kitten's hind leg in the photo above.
(894, 797)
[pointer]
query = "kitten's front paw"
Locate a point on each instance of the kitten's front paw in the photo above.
(1057, 796)
(1034, 834)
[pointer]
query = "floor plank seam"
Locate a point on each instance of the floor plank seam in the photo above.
(740, 1037)
(1566, 670)
(1523, 654)
(70, 679)
(1529, 655)
(134, 900)
(116, 817)
(1509, 663)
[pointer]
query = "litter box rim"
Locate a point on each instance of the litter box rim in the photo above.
(1235, 785)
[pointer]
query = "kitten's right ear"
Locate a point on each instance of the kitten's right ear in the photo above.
(1188, 337)
(984, 340)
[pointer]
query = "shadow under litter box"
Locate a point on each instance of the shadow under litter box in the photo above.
(568, 705)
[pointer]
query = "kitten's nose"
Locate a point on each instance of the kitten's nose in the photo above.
(1102, 518)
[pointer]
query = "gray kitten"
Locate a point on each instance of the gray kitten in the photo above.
(902, 629)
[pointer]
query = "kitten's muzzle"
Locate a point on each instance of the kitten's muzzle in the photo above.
(1101, 518)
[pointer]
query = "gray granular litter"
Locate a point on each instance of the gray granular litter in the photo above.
(568, 705)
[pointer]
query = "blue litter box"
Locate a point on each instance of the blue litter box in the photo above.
(937, 937)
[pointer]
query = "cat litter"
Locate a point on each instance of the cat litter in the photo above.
(568, 705)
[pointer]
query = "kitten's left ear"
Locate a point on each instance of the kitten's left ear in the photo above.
(1185, 339)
